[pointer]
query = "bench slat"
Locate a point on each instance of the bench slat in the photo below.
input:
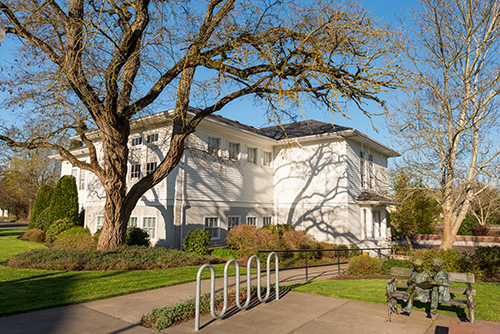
(453, 289)
(455, 302)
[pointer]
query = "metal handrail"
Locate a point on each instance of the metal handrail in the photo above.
(238, 304)
(338, 250)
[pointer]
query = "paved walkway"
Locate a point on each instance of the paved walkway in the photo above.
(293, 313)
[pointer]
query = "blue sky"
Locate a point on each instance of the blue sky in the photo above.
(247, 113)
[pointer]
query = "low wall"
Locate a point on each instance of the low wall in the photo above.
(461, 240)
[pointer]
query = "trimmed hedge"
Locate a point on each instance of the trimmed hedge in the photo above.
(137, 237)
(196, 241)
(76, 237)
(57, 228)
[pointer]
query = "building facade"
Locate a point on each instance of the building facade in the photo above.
(327, 180)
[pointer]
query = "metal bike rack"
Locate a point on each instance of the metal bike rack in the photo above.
(247, 302)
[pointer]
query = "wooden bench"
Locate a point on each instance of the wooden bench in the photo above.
(392, 294)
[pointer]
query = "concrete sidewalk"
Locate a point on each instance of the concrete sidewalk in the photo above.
(293, 313)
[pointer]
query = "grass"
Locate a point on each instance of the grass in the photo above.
(373, 291)
(26, 290)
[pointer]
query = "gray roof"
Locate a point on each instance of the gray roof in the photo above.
(370, 197)
(301, 129)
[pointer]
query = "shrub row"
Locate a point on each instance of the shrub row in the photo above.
(122, 259)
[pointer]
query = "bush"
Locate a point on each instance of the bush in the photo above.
(487, 259)
(34, 235)
(388, 264)
(481, 230)
(136, 237)
(76, 237)
(354, 251)
(279, 229)
(121, 259)
(295, 240)
(64, 203)
(57, 228)
(453, 260)
(42, 202)
(225, 253)
(468, 225)
(196, 241)
(42, 220)
(248, 240)
(363, 265)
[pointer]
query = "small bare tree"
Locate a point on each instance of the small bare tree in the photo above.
(448, 124)
(100, 63)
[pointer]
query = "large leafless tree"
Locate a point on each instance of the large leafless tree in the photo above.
(102, 62)
(448, 122)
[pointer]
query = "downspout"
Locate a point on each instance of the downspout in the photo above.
(183, 199)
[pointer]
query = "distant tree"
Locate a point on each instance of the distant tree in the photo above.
(449, 123)
(64, 203)
(485, 206)
(417, 210)
(42, 201)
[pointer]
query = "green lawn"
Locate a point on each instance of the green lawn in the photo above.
(373, 291)
(25, 290)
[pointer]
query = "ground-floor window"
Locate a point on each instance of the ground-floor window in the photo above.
(267, 221)
(132, 222)
(149, 225)
(232, 221)
(212, 226)
(252, 221)
(100, 222)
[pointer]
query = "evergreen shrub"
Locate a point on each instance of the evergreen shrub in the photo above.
(42, 202)
(248, 239)
(468, 225)
(42, 220)
(76, 237)
(390, 263)
(481, 230)
(57, 228)
(34, 235)
(225, 253)
(364, 265)
(136, 237)
(64, 203)
(196, 241)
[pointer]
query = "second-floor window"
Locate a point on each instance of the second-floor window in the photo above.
(252, 155)
(267, 158)
(135, 171)
(213, 145)
(136, 141)
(151, 138)
(234, 151)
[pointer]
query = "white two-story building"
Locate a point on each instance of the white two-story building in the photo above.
(328, 180)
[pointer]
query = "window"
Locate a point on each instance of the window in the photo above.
(213, 145)
(232, 221)
(252, 221)
(212, 226)
(81, 183)
(74, 172)
(100, 222)
(267, 220)
(252, 155)
(152, 138)
(362, 169)
(149, 225)
(132, 222)
(135, 171)
(136, 141)
(150, 167)
(371, 183)
(268, 157)
(234, 151)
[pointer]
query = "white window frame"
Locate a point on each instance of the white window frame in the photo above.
(147, 229)
(234, 151)
(252, 155)
(213, 145)
(152, 138)
(267, 220)
(267, 158)
(136, 218)
(249, 218)
(81, 180)
(152, 164)
(135, 171)
(211, 228)
(99, 222)
(136, 141)
(230, 225)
